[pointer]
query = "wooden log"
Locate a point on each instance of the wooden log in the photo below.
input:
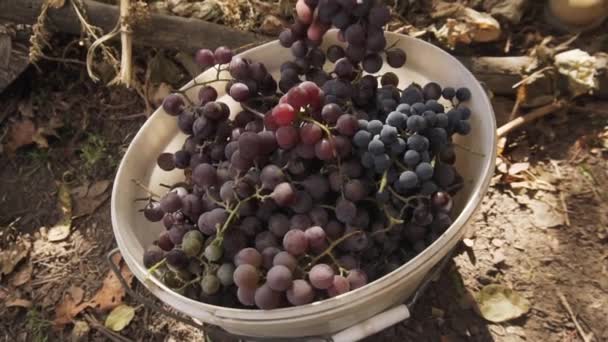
(160, 31)
(499, 74)
(14, 58)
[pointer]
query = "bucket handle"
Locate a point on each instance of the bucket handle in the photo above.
(354, 333)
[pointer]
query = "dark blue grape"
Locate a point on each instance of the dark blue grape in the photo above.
(453, 117)
(463, 94)
(418, 108)
(425, 157)
(398, 147)
(396, 119)
(388, 134)
(424, 171)
(435, 106)
(430, 117)
(404, 108)
(465, 112)
(444, 175)
(428, 188)
(431, 91)
(418, 143)
(367, 160)
(463, 127)
(411, 158)
(448, 93)
(411, 95)
(376, 146)
(375, 126)
(363, 124)
(381, 163)
(442, 120)
(362, 138)
(416, 123)
(408, 180)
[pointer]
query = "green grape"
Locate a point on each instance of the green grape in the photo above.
(225, 274)
(213, 253)
(192, 243)
(210, 284)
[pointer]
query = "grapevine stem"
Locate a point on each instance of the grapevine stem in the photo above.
(156, 266)
(249, 108)
(383, 181)
(188, 283)
(197, 84)
(327, 206)
(406, 199)
(145, 188)
(331, 247)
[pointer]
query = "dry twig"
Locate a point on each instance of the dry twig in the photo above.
(533, 115)
(584, 336)
(105, 331)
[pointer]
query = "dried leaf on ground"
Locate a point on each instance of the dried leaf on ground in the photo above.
(22, 276)
(98, 188)
(69, 307)
(498, 303)
(580, 69)
(12, 256)
(25, 108)
(532, 185)
(18, 302)
(112, 293)
(61, 230)
(56, 3)
(464, 25)
(120, 317)
(518, 167)
(80, 331)
(95, 197)
(273, 25)
(544, 214)
(21, 133)
(511, 11)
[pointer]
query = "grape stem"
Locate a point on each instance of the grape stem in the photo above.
(156, 266)
(327, 206)
(254, 111)
(401, 166)
(406, 199)
(188, 283)
(383, 181)
(214, 200)
(197, 84)
(331, 247)
(145, 188)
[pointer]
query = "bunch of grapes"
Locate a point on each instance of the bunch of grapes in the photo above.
(320, 184)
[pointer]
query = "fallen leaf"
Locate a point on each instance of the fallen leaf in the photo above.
(544, 216)
(68, 308)
(579, 67)
(501, 166)
(22, 276)
(511, 11)
(18, 302)
(498, 242)
(468, 242)
(61, 230)
(532, 185)
(87, 206)
(120, 317)
(112, 293)
(12, 256)
(518, 167)
(26, 108)
(498, 303)
(56, 3)
(498, 257)
(76, 293)
(464, 25)
(80, 192)
(80, 331)
(272, 25)
(3, 293)
(21, 133)
(98, 188)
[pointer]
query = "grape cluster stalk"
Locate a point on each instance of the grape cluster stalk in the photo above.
(326, 180)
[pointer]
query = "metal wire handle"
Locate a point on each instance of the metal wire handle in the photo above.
(212, 328)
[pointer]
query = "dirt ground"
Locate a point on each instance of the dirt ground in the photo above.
(542, 229)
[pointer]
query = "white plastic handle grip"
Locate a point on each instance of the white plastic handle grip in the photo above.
(372, 325)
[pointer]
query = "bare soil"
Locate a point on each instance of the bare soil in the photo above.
(509, 243)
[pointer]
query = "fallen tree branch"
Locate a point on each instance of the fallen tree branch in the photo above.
(532, 116)
(160, 31)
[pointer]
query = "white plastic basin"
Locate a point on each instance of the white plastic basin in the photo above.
(160, 133)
